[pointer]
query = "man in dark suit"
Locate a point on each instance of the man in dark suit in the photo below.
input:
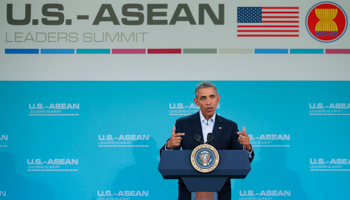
(226, 134)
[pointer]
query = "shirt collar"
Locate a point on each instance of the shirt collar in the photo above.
(205, 120)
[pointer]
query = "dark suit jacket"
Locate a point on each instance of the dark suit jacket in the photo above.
(225, 137)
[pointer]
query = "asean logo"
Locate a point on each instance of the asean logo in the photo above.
(205, 158)
(326, 22)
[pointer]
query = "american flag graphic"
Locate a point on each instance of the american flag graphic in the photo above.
(268, 21)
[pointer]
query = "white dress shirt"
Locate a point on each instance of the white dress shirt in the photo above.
(207, 125)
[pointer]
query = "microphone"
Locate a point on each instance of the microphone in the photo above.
(210, 138)
(197, 138)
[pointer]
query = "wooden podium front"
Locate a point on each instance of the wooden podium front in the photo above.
(204, 196)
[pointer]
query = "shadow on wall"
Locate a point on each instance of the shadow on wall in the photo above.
(269, 177)
(143, 179)
(17, 187)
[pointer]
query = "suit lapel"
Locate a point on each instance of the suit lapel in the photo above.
(196, 125)
(217, 130)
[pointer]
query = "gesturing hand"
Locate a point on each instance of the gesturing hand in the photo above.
(243, 139)
(175, 139)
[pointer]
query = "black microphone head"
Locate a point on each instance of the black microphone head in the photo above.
(210, 138)
(197, 138)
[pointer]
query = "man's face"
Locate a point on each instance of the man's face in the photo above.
(207, 99)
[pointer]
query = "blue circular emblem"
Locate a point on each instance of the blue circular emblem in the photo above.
(205, 158)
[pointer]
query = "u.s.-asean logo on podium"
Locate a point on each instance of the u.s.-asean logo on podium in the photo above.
(205, 158)
(326, 22)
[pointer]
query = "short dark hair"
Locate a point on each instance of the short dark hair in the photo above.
(205, 84)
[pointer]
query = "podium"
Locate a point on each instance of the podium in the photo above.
(176, 164)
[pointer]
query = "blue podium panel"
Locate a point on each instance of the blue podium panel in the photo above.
(177, 164)
(204, 184)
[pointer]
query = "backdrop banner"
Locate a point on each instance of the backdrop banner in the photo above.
(167, 40)
(101, 140)
(90, 91)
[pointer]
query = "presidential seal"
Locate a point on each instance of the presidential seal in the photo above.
(205, 158)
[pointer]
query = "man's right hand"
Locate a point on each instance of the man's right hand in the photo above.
(175, 139)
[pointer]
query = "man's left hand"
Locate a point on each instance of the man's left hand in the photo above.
(244, 140)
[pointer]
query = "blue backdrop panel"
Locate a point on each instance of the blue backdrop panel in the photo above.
(101, 140)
